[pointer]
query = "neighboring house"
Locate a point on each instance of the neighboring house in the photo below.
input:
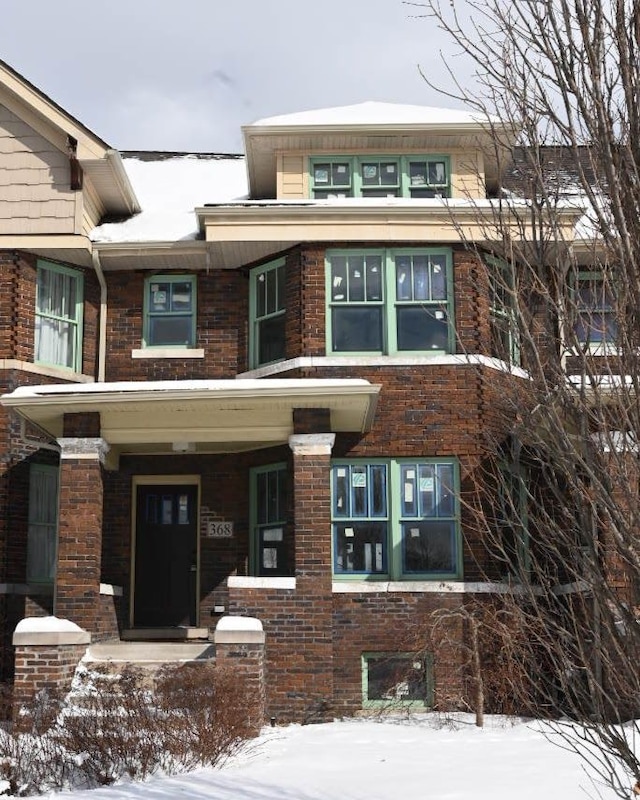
(263, 399)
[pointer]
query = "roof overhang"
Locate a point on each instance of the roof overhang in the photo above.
(245, 232)
(102, 164)
(68, 248)
(206, 416)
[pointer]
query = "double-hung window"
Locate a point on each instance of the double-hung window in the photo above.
(595, 312)
(396, 519)
(269, 499)
(170, 311)
(58, 324)
(379, 176)
(389, 301)
(43, 523)
(505, 343)
(267, 314)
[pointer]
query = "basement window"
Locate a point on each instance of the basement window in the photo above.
(397, 679)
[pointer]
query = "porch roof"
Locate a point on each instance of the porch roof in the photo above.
(205, 416)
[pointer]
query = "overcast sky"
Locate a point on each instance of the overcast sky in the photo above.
(185, 74)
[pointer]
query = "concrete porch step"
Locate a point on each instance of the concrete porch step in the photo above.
(149, 653)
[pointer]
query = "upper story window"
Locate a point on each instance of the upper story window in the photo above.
(505, 342)
(596, 323)
(269, 502)
(267, 314)
(396, 519)
(380, 176)
(389, 301)
(170, 311)
(58, 325)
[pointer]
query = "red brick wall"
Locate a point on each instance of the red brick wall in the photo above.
(222, 322)
(44, 667)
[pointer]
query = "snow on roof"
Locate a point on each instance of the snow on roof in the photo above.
(45, 625)
(169, 188)
(374, 113)
(204, 385)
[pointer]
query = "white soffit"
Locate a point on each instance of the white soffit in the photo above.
(222, 415)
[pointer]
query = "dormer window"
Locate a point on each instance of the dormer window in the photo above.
(379, 176)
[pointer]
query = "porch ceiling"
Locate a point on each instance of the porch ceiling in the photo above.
(197, 416)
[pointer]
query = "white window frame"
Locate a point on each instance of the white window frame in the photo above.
(51, 347)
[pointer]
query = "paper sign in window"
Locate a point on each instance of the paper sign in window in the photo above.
(358, 480)
(348, 532)
(272, 535)
(408, 492)
(439, 315)
(426, 484)
(415, 533)
(270, 558)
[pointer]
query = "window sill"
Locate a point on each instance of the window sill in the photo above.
(43, 369)
(168, 352)
(249, 582)
(420, 586)
(409, 360)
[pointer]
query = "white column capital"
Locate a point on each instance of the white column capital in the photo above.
(83, 448)
(312, 444)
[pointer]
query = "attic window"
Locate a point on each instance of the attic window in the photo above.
(379, 176)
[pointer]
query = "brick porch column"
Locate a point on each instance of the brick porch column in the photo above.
(312, 652)
(77, 586)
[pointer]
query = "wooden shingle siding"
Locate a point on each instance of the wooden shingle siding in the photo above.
(35, 196)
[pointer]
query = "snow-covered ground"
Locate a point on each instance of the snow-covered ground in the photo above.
(405, 759)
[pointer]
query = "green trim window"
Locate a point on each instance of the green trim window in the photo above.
(397, 679)
(267, 314)
(505, 343)
(43, 523)
(269, 493)
(419, 176)
(170, 311)
(396, 519)
(596, 323)
(59, 309)
(389, 301)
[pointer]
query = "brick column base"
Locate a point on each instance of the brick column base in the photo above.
(45, 660)
(239, 645)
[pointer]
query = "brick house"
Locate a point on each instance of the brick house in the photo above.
(264, 399)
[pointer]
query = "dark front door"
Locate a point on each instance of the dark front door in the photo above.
(166, 556)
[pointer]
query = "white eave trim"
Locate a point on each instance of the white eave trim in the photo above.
(142, 391)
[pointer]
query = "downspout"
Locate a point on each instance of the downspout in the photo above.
(102, 323)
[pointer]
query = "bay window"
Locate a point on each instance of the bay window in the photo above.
(389, 301)
(396, 519)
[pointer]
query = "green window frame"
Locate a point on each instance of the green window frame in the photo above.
(170, 309)
(58, 316)
(379, 175)
(505, 341)
(42, 529)
(595, 312)
(269, 505)
(391, 680)
(267, 314)
(389, 301)
(396, 519)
